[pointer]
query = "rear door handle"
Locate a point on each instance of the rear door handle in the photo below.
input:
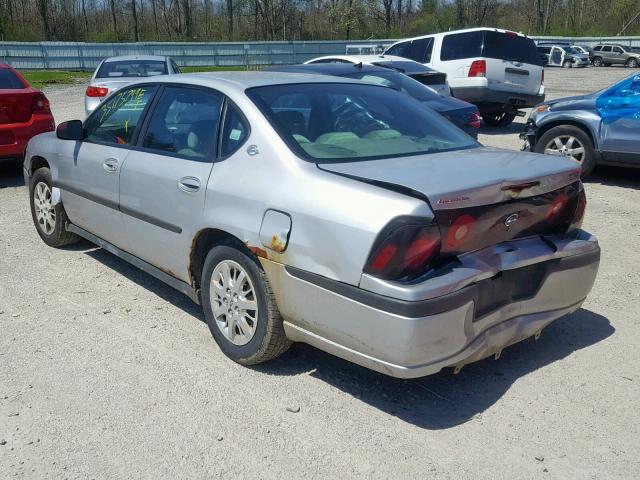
(110, 165)
(189, 184)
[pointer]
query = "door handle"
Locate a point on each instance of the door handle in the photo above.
(110, 165)
(189, 184)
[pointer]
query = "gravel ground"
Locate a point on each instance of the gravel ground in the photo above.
(107, 373)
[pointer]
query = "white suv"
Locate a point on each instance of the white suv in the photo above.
(498, 70)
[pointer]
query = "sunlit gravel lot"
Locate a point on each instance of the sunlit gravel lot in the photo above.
(107, 373)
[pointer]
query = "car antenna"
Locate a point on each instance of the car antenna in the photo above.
(359, 66)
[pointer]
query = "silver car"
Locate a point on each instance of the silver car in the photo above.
(114, 73)
(297, 207)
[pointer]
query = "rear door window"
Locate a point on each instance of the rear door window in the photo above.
(184, 122)
(115, 121)
(606, 49)
(9, 80)
(234, 131)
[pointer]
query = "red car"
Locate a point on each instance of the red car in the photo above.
(24, 112)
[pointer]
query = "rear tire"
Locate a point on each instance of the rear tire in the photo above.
(498, 119)
(50, 221)
(561, 135)
(597, 62)
(240, 307)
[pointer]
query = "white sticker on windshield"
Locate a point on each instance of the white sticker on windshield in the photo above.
(235, 134)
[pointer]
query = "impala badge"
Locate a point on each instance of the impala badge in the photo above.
(511, 220)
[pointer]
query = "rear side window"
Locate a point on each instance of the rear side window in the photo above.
(490, 44)
(185, 122)
(115, 121)
(398, 49)
(9, 80)
(234, 132)
(132, 68)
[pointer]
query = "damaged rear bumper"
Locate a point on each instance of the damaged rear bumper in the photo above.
(490, 300)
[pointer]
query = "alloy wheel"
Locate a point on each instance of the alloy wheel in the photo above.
(45, 212)
(234, 302)
(565, 145)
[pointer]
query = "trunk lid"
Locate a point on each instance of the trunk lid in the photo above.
(480, 196)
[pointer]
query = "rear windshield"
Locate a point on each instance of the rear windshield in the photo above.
(399, 82)
(340, 122)
(132, 68)
(483, 43)
(9, 80)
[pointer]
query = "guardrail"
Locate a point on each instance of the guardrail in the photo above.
(86, 56)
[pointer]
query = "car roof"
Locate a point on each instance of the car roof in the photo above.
(125, 58)
(240, 81)
(464, 30)
(329, 68)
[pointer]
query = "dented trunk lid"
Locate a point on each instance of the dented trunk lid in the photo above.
(480, 196)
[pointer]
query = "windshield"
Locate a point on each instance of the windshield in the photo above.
(572, 50)
(132, 68)
(399, 82)
(336, 122)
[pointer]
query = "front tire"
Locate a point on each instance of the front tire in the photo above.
(240, 307)
(570, 141)
(50, 220)
(632, 63)
(567, 64)
(498, 119)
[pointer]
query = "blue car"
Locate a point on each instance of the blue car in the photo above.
(462, 114)
(594, 129)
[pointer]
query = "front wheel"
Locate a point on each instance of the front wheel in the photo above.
(569, 141)
(632, 63)
(50, 220)
(498, 119)
(567, 64)
(240, 307)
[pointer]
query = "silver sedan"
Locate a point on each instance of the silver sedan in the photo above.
(307, 208)
(114, 73)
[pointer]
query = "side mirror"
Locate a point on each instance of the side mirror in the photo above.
(71, 130)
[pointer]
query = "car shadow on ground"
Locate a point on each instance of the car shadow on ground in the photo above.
(515, 128)
(445, 400)
(439, 401)
(615, 177)
(11, 174)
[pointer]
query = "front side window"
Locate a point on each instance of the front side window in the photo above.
(398, 49)
(418, 49)
(116, 119)
(185, 122)
(132, 68)
(617, 50)
(350, 122)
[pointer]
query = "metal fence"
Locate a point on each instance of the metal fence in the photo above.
(86, 56)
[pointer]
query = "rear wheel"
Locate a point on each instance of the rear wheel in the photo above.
(498, 119)
(569, 141)
(632, 63)
(597, 62)
(240, 307)
(50, 220)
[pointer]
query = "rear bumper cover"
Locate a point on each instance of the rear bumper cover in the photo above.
(407, 339)
(484, 95)
(17, 135)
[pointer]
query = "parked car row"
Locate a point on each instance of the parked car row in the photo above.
(573, 56)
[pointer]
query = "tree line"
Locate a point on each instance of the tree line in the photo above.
(245, 20)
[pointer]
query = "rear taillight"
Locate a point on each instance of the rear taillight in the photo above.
(40, 104)
(96, 91)
(578, 215)
(478, 69)
(557, 207)
(474, 120)
(403, 251)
